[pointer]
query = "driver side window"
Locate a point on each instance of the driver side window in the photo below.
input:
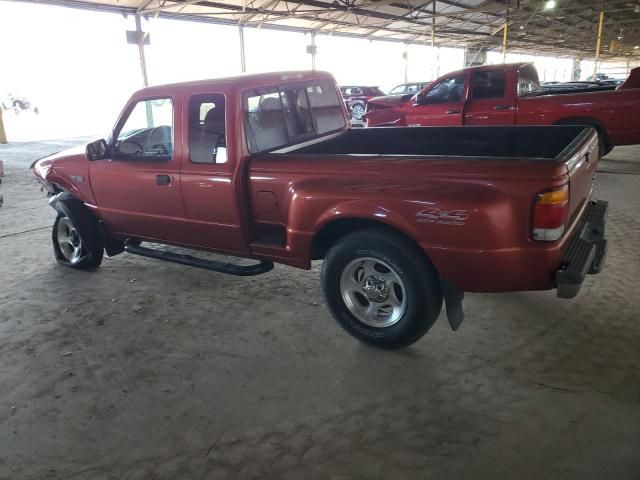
(147, 134)
(449, 90)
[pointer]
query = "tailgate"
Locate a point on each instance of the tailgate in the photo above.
(582, 161)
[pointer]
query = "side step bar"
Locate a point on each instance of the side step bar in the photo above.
(229, 268)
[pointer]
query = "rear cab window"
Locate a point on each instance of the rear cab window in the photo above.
(284, 115)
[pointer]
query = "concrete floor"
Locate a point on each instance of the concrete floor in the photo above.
(150, 370)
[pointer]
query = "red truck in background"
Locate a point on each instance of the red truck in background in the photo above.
(510, 94)
(265, 167)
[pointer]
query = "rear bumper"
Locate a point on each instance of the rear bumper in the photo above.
(586, 252)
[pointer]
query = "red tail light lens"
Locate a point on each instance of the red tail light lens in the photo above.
(550, 214)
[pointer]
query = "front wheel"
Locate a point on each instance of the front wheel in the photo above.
(381, 288)
(72, 249)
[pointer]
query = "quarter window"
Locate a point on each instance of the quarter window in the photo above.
(207, 128)
(147, 134)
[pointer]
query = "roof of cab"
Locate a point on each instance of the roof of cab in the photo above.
(244, 81)
(494, 66)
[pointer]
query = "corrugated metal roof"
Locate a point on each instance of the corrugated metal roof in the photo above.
(570, 28)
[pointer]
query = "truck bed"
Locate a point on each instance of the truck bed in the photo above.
(535, 142)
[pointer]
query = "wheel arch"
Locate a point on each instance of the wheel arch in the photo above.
(336, 229)
(66, 204)
(591, 121)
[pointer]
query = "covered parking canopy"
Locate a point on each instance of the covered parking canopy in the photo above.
(555, 27)
(244, 36)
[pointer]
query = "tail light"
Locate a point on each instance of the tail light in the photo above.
(550, 214)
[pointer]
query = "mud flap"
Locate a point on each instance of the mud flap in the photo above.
(453, 302)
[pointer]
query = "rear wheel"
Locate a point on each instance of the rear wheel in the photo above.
(71, 248)
(381, 288)
(357, 111)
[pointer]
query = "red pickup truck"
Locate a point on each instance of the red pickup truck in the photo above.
(265, 167)
(510, 94)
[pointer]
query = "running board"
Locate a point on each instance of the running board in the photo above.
(229, 268)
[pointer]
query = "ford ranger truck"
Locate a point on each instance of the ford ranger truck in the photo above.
(265, 167)
(510, 94)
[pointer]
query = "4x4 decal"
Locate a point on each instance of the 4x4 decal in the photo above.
(444, 217)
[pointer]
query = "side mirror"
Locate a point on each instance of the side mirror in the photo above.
(97, 150)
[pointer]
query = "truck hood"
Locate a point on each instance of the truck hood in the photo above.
(46, 162)
(65, 170)
(390, 100)
(386, 110)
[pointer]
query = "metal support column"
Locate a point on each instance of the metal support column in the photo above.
(243, 62)
(575, 70)
(405, 56)
(143, 61)
(433, 25)
(313, 50)
(505, 31)
(598, 43)
(3, 135)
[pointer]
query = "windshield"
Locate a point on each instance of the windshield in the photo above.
(285, 115)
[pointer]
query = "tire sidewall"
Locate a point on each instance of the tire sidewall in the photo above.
(92, 254)
(352, 110)
(424, 300)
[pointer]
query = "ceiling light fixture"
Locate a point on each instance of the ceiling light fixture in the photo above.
(550, 4)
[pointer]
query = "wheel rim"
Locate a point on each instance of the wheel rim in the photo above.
(357, 111)
(69, 241)
(373, 292)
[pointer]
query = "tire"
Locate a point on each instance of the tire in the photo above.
(381, 288)
(73, 249)
(357, 111)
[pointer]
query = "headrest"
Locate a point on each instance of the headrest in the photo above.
(270, 104)
(213, 116)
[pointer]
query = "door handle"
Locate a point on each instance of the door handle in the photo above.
(450, 112)
(163, 179)
(502, 107)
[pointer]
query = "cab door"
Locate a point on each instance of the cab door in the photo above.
(137, 189)
(440, 105)
(209, 186)
(489, 102)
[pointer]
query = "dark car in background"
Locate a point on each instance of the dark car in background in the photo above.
(604, 79)
(356, 98)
